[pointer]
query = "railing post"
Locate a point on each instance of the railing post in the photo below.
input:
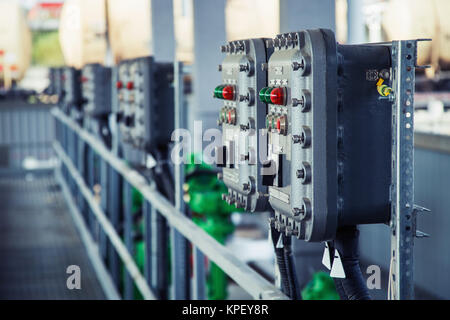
(159, 240)
(146, 210)
(128, 235)
(114, 206)
(104, 201)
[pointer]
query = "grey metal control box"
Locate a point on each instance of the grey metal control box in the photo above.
(145, 102)
(96, 90)
(71, 93)
(329, 134)
(242, 119)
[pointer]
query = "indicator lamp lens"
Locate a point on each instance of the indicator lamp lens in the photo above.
(262, 93)
(277, 96)
(218, 92)
(228, 92)
(267, 95)
(130, 85)
(119, 85)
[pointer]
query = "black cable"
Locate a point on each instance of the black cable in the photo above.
(281, 263)
(340, 289)
(346, 243)
(294, 287)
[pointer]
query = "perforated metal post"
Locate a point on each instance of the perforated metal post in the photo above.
(180, 274)
(402, 187)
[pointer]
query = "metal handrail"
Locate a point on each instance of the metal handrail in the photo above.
(241, 273)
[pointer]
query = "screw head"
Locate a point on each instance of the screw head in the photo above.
(300, 173)
(297, 211)
(296, 102)
(243, 67)
(243, 97)
(296, 66)
(297, 138)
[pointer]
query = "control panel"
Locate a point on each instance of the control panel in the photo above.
(145, 102)
(72, 101)
(242, 119)
(329, 128)
(96, 90)
(301, 125)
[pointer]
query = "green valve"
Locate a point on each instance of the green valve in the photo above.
(262, 93)
(267, 95)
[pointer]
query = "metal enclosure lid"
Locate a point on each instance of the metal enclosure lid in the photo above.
(146, 103)
(96, 90)
(303, 192)
(242, 120)
(72, 90)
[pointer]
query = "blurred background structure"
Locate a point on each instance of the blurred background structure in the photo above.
(36, 35)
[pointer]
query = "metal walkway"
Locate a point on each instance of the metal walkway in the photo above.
(38, 241)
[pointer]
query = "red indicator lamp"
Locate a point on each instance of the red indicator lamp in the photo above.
(119, 85)
(130, 85)
(277, 96)
(228, 93)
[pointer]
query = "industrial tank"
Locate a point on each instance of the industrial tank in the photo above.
(15, 42)
(411, 19)
(129, 28)
(82, 32)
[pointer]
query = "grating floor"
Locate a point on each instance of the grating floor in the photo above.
(38, 241)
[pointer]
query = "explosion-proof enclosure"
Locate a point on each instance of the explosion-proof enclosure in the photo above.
(146, 102)
(329, 134)
(71, 96)
(242, 117)
(96, 90)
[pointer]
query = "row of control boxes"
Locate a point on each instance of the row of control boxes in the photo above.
(305, 132)
(143, 91)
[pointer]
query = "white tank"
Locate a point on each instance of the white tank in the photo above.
(82, 32)
(15, 42)
(410, 19)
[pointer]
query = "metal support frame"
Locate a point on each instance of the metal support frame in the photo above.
(110, 231)
(242, 274)
(209, 35)
(401, 282)
(180, 270)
